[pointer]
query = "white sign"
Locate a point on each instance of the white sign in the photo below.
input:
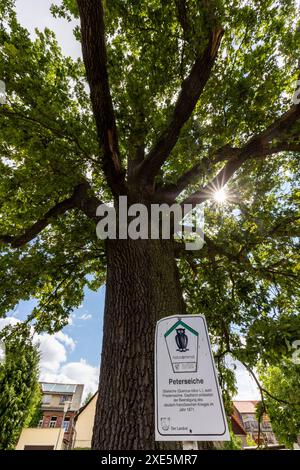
(188, 401)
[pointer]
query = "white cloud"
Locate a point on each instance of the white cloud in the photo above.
(42, 18)
(71, 319)
(52, 351)
(247, 388)
(85, 316)
(8, 321)
(65, 339)
(54, 367)
(75, 372)
(53, 348)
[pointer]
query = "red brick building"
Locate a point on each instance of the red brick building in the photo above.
(60, 403)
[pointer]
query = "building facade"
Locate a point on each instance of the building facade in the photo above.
(60, 404)
(245, 411)
(237, 426)
(84, 423)
(40, 439)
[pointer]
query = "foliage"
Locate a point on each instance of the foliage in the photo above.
(19, 387)
(37, 414)
(87, 398)
(235, 442)
(283, 383)
(250, 442)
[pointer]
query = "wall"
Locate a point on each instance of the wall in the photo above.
(77, 397)
(40, 437)
(84, 425)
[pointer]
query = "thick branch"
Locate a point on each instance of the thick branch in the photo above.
(31, 232)
(95, 60)
(55, 131)
(258, 146)
(280, 147)
(78, 199)
(171, 191)
(182, 16)
(278, 128)
(88, 204)
(191, 90)
(207, 191)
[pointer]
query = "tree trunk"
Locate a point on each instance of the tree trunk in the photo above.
(142, 286)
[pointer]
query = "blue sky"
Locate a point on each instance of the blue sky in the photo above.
(85, 328)
(73, 355)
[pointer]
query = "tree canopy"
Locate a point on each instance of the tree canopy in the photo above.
(19, 388)
(185, 98)
(282, 400)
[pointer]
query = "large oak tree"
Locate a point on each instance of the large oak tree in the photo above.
(174, 100)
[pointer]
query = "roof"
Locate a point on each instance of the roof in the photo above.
(237, 422)
(48, 387)
(236, 427)
(246, 406)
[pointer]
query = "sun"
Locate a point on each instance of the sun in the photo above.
(220, 196)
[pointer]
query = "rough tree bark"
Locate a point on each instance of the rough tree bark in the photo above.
(142, 286)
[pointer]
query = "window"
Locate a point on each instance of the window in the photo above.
(46, 399)
(251, 418)
(266, 425)
(40, 423)
(52, 423)
(247, 426)
(66, 424)
(64, 398)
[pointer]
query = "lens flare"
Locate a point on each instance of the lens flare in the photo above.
(220, 196)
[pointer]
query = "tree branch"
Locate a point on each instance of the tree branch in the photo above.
(280, 400)
(280, 147)
(214, 249)
(258, 146)
(171, 191)
(95, 60)
(191, 90)
(88, 204)
(182, 16)
(263, 390)
(78, 199)
(57, 132)
(277, 129)
(207, 191)
(259, 386)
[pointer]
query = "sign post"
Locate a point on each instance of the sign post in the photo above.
(188, 401)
